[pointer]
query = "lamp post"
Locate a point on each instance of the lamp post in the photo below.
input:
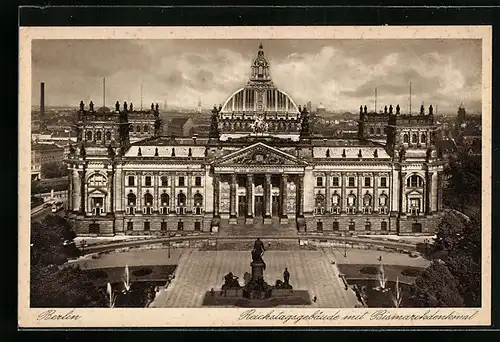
(168, 244)
(83, 243)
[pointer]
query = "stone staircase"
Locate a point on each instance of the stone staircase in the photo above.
(258, 228)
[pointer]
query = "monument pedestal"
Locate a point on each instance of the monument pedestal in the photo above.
(257, 270)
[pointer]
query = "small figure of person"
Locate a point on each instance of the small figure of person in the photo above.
(286, 276)
(380, 258)
(315, 299)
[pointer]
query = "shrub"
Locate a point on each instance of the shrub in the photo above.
(369, 270)
(411, 272)
(143, 271)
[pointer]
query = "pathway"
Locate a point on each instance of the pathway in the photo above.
(199, 271)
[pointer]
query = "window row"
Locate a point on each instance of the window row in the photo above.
(139, 129)
(163, 181)
(163, 226)
(351, 181)
(165, 199)
(414, 138)
(352, 226)
(89, 136)
(367, 203)
(378, 130)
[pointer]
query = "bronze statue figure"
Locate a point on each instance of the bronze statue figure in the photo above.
(258, 252)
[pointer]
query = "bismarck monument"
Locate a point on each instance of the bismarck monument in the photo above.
(256, 292)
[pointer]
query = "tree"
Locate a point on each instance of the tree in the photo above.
(50, 285)
(54, 170)
(448, 233)
(67, 287)
(464, 180)
(436, 287)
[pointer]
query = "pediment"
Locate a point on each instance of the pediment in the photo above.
(98, 191)
(259, 154)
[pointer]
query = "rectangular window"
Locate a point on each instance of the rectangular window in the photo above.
(367, 181)
(181, 181)
(383, 182)
(197, 181)
(335, 181)
(197, 226)
(319, 181)
(163, 226)
(368, 226)
(383, 226)
(147, 226)
(164, 181)
(148, 180)
(335, 226)
(131, 180)
(351, 181)
(130, 225)
(319, 226)
(352, 226)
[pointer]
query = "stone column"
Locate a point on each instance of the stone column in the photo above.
(300, 196)
(428, 192)
(233, 200)
(110, 198)
(249, 218)
(119, 194)
(434, 192)
(375, 192)
(284, 199)
(81, 175)
(360, 193)
(343, 200)
(267, 199)
(440, 191)
(402, 193)
(216, 182)
(327, 193)
(189, 195)
(76, 194)
(173, 200)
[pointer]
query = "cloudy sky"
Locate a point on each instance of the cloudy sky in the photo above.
(340, 74)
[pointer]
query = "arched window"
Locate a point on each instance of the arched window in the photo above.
(378, 131)
(385, 130)
(89, 135)
(165, 199)
(108, 135)
(423, 139)
(414, 139)
(372, 131)
(148, 199)
(146, 128)
(138, 128)
(181, 199)
(131, 199)
(98, 135)
(198, 200)
(405, 138)
(415, 181)
(367, 200)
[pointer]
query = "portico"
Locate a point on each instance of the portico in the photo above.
(258, 196)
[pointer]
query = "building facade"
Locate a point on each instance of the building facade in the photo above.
(260, 166)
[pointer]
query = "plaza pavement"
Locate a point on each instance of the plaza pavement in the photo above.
(356, 256)
(199, 271)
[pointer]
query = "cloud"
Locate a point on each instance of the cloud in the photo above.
(341, 74)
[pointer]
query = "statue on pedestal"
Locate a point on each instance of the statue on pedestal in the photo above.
(258, 252)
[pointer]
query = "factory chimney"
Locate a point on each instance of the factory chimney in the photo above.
(42, 100)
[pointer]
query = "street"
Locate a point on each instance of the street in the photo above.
(47, 211)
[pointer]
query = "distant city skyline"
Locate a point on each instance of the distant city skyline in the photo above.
(340, 74)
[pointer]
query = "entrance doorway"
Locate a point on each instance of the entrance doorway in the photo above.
(242, 206)
(259, 206)
(276, 205)
(416, 228)
(94, 228)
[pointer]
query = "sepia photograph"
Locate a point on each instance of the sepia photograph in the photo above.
(284, 176)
